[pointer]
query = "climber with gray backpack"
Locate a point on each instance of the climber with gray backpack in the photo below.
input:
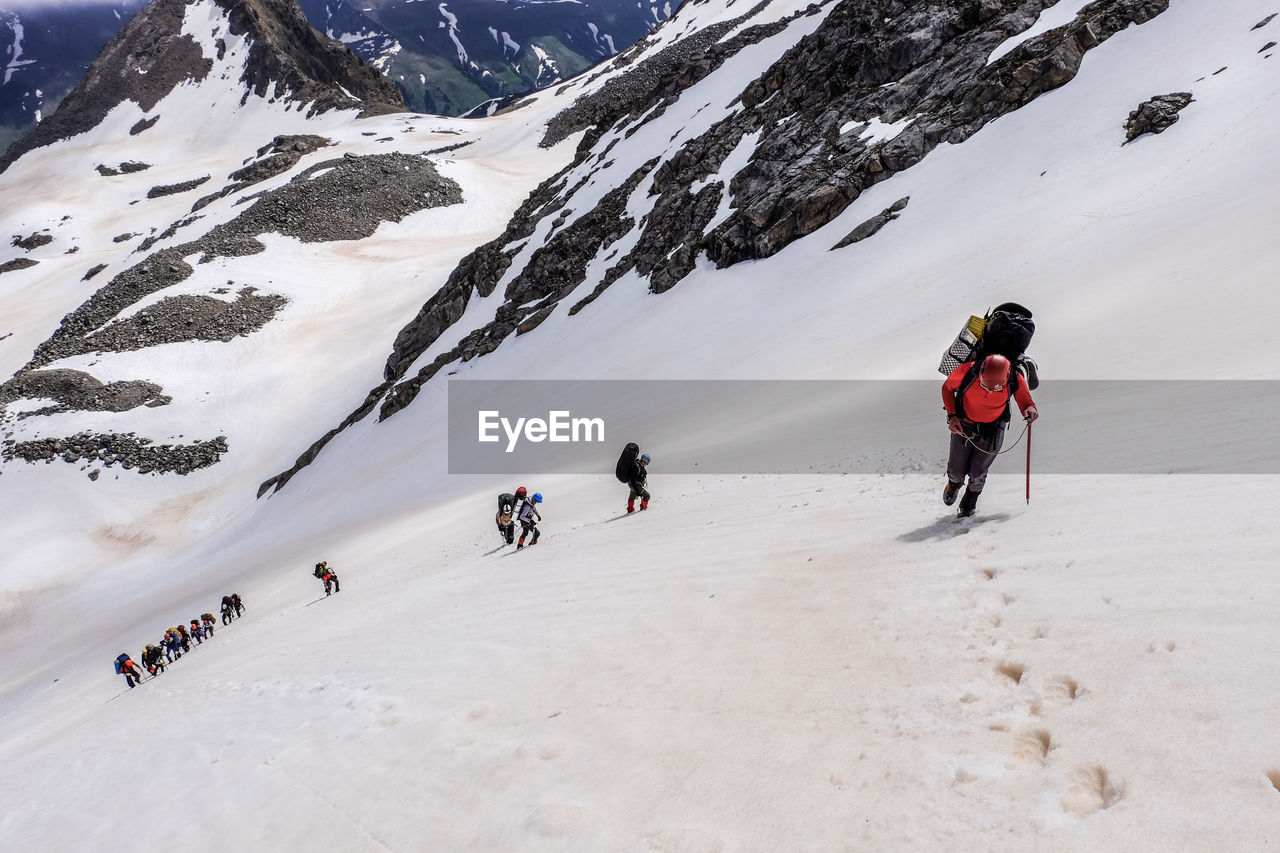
(985, 367)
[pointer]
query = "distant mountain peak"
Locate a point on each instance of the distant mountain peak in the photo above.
(162, 46)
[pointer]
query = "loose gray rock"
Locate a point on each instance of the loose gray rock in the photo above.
(1155, 115)
(143, 124)
(174, 189)
(17, 264)
(34, 241)
(176, 319)
(94, 270)
(874, 224)
(75, 390)
(127, 450)
(284, 153)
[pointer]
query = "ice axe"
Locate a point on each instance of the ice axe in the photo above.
(1028, 462)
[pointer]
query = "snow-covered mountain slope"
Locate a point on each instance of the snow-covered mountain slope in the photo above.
(755, 663)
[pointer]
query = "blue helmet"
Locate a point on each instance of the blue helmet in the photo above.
(645, 458)
(537, 497)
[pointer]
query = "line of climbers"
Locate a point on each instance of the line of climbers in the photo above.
(518, 506)
(175, 643)
(632, 469)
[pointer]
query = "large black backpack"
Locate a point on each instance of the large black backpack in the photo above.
(506, 503)
(1007, 329)
(627, 463)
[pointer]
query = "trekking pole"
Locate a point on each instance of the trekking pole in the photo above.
(1028, 463)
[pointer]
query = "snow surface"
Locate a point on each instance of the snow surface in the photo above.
(763, 663)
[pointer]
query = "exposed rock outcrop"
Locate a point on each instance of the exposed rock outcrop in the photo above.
(77, 390)
(873, 225)
(33, 241)
(174, 189)
(17, 264)
(1155, 115)
(308, 65)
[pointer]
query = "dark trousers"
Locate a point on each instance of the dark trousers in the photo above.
(971, 456)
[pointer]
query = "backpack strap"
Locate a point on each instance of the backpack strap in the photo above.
(969, 379)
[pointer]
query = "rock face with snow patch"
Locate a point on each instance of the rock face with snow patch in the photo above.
(151, 55)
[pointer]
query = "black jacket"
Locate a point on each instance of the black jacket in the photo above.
(638, 477)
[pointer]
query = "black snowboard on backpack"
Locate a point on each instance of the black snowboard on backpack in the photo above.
(627, 463)
(1006, 330)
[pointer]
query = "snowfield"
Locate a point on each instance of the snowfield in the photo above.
(757, 663)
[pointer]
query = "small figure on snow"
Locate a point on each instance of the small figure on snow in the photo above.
(183, 637)
(172, 643)
(324, 573)
(207, 622)
(508, 506)
(529, 519)
(197, 632)
(153, 659)
(237, 604)
(126, 667)
(228, 609)
(632, 469)
(976, 397)
(637, 485)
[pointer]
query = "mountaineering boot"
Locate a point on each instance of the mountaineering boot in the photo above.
(521, 544)
(968, 503)
(631, 506)
(644, 505)
(949, 492)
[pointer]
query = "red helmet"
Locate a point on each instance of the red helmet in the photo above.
(521, 492)
(995, 371)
